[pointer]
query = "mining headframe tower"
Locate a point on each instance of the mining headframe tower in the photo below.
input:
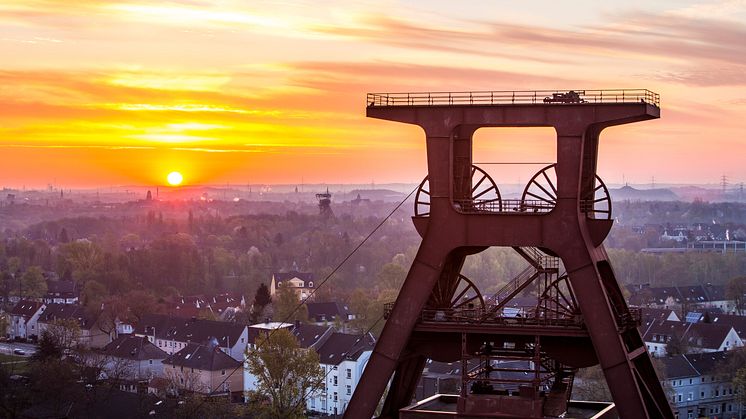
(515, 364)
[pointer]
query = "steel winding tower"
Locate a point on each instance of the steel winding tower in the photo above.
(580, 317)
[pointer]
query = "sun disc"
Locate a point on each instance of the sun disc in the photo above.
(174, 178)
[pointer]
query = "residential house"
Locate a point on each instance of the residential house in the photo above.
(329, 312)
(700, 386)
(222, 306)
(307, 335)
(696, 337)
(681, 298)
(343, 358)
(92, 334)
(203, 368)
(172, 334)
(61, 292)
(133, 359)
(301, 283)
(24, 319)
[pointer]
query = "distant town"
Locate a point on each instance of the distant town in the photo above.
(165, 303)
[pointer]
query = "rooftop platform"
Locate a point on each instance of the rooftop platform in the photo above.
(517, 97)
(445, 405)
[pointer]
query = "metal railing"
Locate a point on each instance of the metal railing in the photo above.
(531, 318)
(524, 97)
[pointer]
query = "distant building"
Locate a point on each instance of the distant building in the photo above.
(300, 282)
(700, 386)
(342, 357)
(696, 337)
(62, 292)
(172, 334)
(132, 359)
(329, 312)
(203, 368)
(24, 319)
(683, 298)
(91, 334)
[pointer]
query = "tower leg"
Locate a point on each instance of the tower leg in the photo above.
(403, 385)
(423, 274)
(621, 354)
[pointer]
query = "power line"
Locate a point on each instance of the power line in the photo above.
(321, 284)
(318, 383)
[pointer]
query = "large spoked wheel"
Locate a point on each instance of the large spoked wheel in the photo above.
(484, 195)
(422, 199)
(557, 301)
(597, 203)
(459, 294)
(540, 195)
(467, 293)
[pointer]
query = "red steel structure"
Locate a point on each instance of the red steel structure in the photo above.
(520, 364)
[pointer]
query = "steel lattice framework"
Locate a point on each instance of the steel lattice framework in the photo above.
(516, 361)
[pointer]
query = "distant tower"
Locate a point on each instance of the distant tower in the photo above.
(149, 196)
(724, 183)
(325, 204)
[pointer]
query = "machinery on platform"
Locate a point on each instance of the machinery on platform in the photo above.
(517, 361)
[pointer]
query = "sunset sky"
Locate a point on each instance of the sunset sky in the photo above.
(100, 92)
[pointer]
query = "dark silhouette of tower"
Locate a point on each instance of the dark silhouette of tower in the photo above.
(149, 196)
(516, 361)
(325, 204)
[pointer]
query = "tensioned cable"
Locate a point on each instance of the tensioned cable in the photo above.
(321, 284)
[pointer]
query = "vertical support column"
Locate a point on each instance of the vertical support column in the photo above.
(436, 246)
(462, 162)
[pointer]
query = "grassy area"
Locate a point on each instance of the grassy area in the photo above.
(20, 364)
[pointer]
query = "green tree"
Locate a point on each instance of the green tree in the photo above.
(261, 299)
(33, 284)
(736, 291)
(93, 294)
(286, 306)
(286, 374)
(391, 276)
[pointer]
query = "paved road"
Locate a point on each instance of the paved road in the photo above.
(8, 347)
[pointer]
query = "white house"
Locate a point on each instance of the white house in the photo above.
(172, 334)
(24, 319)
(300, 282)
(343, 358)
(133, 358)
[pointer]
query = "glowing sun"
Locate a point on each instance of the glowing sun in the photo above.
(174, 178)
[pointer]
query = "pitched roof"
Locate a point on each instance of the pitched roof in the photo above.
(207, 357)
(341, 346)
(701, 335)
(62, 288)
(678, 366)
(311, 335)
(190, 330)
(735, 321)
(707, 335)
(132, 347)
(284, 276)
(327, 311)
(709, 362)
(26, 308)
(653, 314)
(57, 311)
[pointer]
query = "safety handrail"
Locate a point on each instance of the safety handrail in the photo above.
(524, 97)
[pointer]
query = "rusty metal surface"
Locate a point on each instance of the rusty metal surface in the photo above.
(585, 300)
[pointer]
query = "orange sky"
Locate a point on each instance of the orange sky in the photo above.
(102, 92)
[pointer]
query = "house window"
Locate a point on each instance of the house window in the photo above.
(678, 396)
(150, 361)
(701, 394)
(335, 396)
(222, 372)
(349, 390)
(349, 373)
(242, 340)
(335, 380)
